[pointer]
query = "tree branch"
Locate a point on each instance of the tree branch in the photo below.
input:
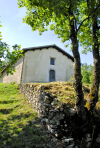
(75, 25)
(92, 11)
(81, 23)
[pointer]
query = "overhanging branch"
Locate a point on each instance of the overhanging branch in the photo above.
(82, 23)
(92, 11)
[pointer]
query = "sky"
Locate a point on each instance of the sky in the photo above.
(14, 31)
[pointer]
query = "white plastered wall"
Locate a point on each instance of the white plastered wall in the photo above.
(16, 77)
(37, 66)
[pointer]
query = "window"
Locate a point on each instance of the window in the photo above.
(52, 61)
(52, 76)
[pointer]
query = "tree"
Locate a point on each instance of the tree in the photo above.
(66, 24)
(10, 56)
(92, 37)
(3, 49)
(67, 17)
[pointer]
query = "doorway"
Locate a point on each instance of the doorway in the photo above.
(52, 76)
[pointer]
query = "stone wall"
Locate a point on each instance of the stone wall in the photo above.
(60, 119)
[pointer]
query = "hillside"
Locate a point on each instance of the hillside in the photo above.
(19, 122)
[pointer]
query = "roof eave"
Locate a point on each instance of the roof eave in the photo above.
(48, 46)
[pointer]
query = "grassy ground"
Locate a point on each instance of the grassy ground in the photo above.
(19, 125)
(18, 120)
(65, 92)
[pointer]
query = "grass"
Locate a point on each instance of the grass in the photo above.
(65, 92)
(18, 121)
(19, 125)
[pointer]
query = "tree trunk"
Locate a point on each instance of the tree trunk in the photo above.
(77, 75)
(93, 96)
(99, 67)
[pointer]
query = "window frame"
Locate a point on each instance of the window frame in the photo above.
(52, 60)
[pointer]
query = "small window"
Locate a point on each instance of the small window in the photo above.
(52, 61)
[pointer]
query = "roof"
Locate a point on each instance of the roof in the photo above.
(47, 47)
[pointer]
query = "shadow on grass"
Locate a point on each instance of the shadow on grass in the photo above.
(8, 101)
(8, 110)
(22, 135)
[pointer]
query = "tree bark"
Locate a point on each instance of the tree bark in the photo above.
(77, 74)
(93, 96)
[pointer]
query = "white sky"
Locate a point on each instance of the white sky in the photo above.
(16, 32)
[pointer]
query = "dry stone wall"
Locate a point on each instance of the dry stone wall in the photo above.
(55, 118)
(59, 119)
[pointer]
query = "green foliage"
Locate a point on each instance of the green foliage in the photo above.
(85, 77)
(69, 20)
(9, 57)
(91, 10)
(4, 47)
(0, 32)
(13, 57)
(57, 14)
(87, 73)
(60, 15)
